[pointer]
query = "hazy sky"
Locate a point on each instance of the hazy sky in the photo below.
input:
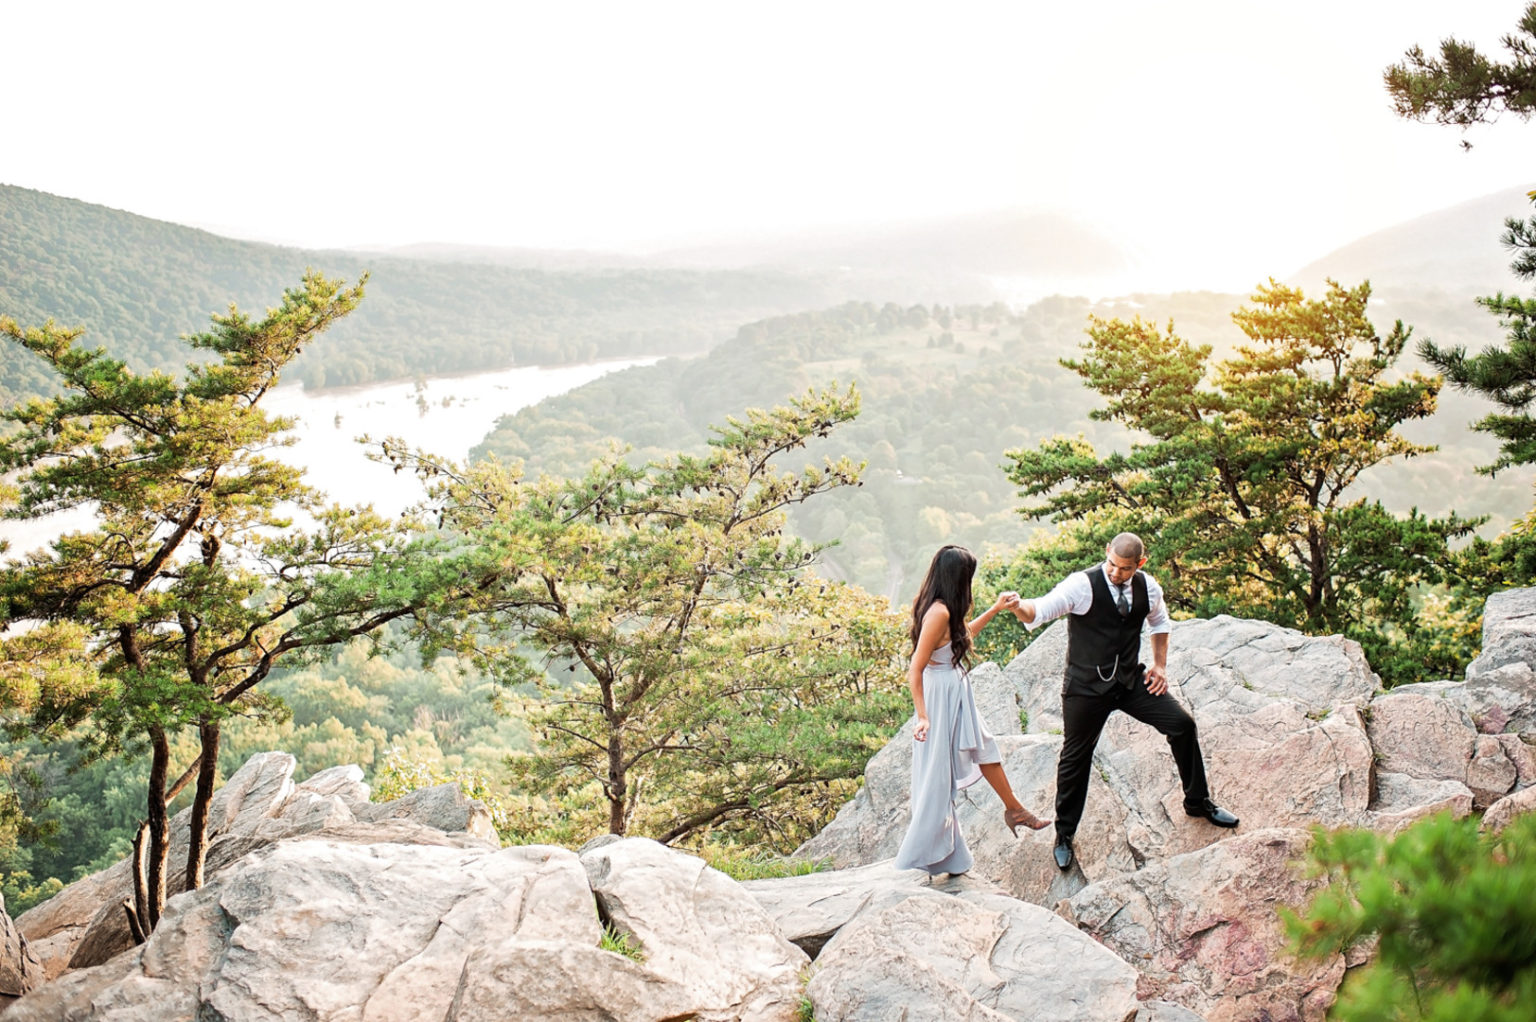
(1226, 140)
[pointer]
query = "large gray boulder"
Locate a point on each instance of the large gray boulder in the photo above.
(976, 955)
(84, 925)
(698, 929)
(1509, 632)
(810, 909)
(1499, 692)
(312, 929)
(1507, 808)
(1203, 930)
(58, 926)
(1427, 736)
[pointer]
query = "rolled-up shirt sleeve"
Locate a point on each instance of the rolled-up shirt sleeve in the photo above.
(1158, 620)
(1072, 595)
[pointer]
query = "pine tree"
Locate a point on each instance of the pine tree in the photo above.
(190, 584)
(1242, 483)
(1463, 86)
(692, 676)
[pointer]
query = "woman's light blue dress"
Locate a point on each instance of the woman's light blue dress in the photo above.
(949, 761)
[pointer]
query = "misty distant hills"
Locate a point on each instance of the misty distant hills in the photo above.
(528, 258)
(1455, 249)
(1005, 243)
(136, 284)
(953, 259)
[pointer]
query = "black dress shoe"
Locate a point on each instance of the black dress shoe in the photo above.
(1063, 853)
(1214, 813)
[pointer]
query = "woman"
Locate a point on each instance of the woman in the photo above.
(954, 748)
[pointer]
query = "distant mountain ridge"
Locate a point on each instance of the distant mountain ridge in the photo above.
(1452, 249)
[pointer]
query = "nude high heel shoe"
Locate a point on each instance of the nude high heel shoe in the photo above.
(1015, 817)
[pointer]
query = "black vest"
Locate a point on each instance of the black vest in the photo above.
(1103, 648)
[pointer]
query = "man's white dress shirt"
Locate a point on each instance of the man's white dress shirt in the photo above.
(1074, 595)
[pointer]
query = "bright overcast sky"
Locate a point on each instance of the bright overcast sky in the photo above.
(1232, 139)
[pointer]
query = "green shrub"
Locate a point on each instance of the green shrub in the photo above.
(1454, 912)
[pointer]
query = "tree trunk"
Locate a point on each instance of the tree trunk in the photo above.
(617, 787)
(159, 828)
(1317, 592)
(138, 910)
(207, 773)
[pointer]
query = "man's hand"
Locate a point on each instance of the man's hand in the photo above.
(920, 732)
(1021, 608)
(1157, 680)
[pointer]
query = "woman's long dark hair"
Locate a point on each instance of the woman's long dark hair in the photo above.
(948, 582)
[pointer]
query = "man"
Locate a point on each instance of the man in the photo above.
(1108, 605)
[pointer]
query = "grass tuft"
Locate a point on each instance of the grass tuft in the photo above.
(621, 943)
(740, 865)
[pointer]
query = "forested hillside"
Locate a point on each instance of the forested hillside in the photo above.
(137, 284)
(946, 391)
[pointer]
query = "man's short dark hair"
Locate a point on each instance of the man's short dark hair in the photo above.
(1128, 545)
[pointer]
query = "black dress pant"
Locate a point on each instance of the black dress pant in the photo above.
(1083, 717)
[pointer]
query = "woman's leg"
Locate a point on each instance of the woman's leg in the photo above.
(1014, 812)
(996, 777)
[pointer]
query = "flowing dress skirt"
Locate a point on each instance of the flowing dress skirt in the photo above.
(949, 761)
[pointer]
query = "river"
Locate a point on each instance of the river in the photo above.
(444, 415)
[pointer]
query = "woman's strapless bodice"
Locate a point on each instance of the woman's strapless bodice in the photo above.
(935, 660)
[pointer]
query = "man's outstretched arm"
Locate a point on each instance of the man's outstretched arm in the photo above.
(1072, 596)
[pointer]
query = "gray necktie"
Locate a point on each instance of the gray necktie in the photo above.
(1123, 601)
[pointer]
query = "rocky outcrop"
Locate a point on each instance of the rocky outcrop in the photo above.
(810, 910)
(321, 904)
(1296, 731)
(316, 928)
(973, 956)
(20, 971)
(85, 925)
(1266, 698)
(1203, 931)
(1505, 809)
(1499, 693)
(898, 944)
(1427, 736)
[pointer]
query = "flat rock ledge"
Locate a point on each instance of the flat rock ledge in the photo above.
(895, 944)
